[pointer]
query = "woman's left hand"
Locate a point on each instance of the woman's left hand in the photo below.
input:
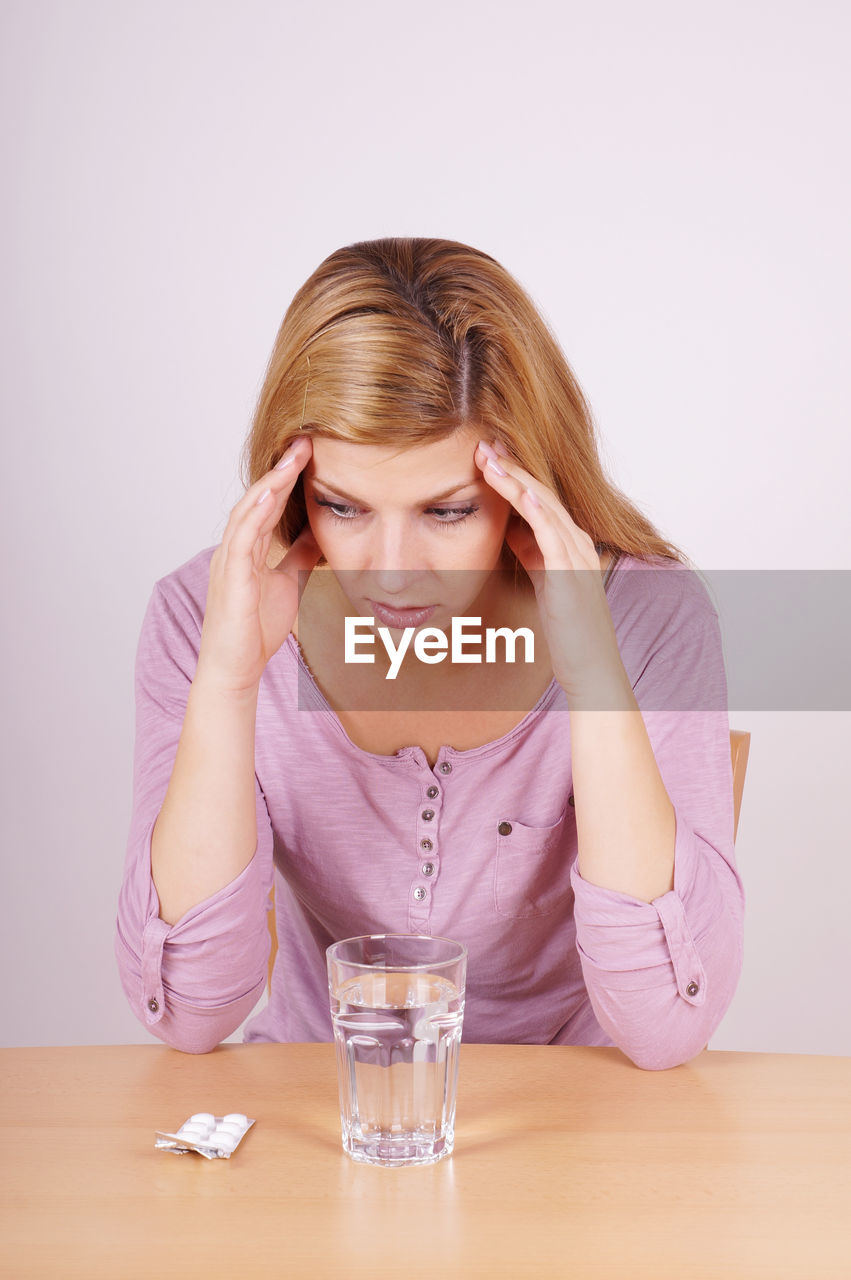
(573, 608)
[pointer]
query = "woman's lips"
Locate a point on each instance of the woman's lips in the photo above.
(406, 617)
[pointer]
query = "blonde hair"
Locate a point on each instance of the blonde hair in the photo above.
(404, 341)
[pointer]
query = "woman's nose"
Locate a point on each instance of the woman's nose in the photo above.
(395, 563)
(392, 584)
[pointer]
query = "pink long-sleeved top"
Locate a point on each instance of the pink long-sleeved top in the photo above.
(482, 848)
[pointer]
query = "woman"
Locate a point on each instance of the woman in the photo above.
(421, 453)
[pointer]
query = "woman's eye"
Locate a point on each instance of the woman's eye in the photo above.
(452, 515)
(336, 508)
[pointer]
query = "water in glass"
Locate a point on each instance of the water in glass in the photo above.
(397, 1037)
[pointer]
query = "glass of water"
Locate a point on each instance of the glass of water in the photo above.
(397, 1003)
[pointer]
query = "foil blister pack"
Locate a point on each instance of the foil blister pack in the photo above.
(214, 1137)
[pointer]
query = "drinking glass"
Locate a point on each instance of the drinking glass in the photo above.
(397, 1004)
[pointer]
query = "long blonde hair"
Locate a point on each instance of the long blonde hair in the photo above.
(403, 341)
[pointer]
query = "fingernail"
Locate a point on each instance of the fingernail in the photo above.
(263, 496)
(500, 449)
(533, 498)
(287, 458)
(491, 456)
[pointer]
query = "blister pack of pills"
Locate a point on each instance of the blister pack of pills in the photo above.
(214, 1137)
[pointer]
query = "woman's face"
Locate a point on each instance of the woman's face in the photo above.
(397, 526)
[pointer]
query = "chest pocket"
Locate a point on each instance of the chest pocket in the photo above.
(532, 867)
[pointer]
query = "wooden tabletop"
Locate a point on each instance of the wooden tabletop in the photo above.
(568, 1162)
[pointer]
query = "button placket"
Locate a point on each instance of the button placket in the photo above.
(428, 817)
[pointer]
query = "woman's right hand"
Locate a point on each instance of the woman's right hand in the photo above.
(250, 607)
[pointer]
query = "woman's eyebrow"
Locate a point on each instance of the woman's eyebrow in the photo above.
(438, 497)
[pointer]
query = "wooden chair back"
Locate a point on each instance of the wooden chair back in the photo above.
(740, 744)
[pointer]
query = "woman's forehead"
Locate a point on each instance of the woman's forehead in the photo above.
(440, 467)
(460, 442)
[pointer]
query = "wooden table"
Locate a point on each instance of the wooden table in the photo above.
(568, 1162)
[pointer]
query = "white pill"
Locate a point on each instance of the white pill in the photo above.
(203, 1117)
(236, 1118)
(223, 1141)
(228, 1126)
(193, 1130)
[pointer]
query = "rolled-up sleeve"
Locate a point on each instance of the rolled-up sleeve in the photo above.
(192, 983)
(660, 975)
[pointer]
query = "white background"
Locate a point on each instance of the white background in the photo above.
(668, 180)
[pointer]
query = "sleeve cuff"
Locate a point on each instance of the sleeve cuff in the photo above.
(216, 953)
(627, 944)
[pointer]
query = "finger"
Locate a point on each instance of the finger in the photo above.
(261, 549)
(522, 542)
(282, 476)
(557, 536)
(509, 480)
(516, 481)
(302, 555)
(570, 548)
(260, 510)
(548, 533)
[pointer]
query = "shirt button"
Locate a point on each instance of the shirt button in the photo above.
(427, 815)
(571, 802)
(504, 828)
(432, 792)
(419, 893)
(692, 989)
(426, 846)
(153, 1005)
(428, 868)
(446, 767)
